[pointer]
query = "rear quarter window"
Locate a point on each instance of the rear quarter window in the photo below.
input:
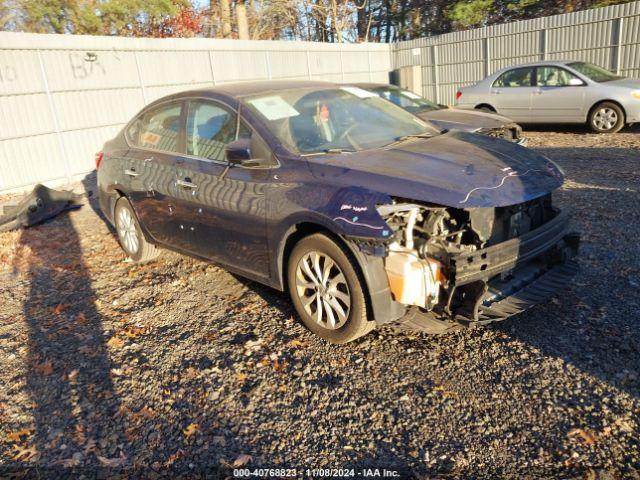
(157, 129)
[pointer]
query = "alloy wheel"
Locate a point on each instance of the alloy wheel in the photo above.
(127, 231)
(605, 118)
(323, 290)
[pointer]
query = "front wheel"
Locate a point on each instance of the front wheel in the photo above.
(327, 291)
(130, 235)
(606, 117)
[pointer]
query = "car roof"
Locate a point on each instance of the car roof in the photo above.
(367, 85)
(237, 90)
(539, 62)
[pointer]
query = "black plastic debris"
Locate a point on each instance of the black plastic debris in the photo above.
(38, 206)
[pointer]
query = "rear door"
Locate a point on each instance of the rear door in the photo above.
(221, 207)
(511, 93)
(555, 100)
(157, 140)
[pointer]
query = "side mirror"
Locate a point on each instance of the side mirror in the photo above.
(575, 82)
(238, 151)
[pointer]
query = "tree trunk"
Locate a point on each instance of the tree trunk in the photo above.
(225, 13)
(241, 18)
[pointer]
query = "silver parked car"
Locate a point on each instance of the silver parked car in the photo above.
(557, 92)
(447, 118)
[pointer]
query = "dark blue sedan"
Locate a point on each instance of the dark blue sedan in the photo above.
(365, 213)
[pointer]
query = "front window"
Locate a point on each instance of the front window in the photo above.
(594, 72)
(553, 77)
(405, 99)
(518, 77)
(311, 120)
(209, 128)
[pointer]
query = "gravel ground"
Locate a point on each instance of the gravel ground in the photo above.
(180, 368)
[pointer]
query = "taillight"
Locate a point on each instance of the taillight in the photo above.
(458, 94)
(98, 159)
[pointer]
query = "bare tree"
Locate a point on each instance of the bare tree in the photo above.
(225, 17)
(241, 19)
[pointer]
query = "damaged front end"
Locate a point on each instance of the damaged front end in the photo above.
(474, 266)
(511, 132)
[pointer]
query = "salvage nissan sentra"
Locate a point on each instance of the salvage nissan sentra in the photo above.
(365, 213)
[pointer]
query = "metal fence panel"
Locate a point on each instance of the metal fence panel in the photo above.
(608, 36)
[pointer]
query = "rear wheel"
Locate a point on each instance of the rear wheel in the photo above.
(327, 291)
(130, 235)
(606, 117)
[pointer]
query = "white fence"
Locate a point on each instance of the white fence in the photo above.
(62, 96)
(609, 37)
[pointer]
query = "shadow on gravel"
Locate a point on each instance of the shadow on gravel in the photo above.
(69, 371)
(90, 184)
(595, 323)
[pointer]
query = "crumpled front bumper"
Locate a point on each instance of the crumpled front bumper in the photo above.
(505, 279)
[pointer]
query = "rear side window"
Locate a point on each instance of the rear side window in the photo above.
(518, 77)
(157, 129)
(210, 127)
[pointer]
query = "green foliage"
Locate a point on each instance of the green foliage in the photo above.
(473, 13)
(120, 17)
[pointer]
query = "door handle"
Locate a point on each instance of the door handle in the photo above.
(131, 172)
(186, 184)
(538, 92)
(147, 160)
(495, 92)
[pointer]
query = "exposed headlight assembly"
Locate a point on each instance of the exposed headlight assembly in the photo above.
(636, 94)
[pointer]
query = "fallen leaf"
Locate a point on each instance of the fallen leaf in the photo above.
(296, 343)
(81, 317)
(60, 308)
(242, 460)
(241, 377)
(133, 331)
(45, 368)
(624, 425)
(115, 342)
(587, 437)
(173, 457)
(16, 436)
(24, 454)
(72, 375)
(279, 366)
(191, 430)
(112, 462)
(190, 373)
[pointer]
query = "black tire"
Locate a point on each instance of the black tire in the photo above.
(144, 251)
(602, 116)
(356, 323)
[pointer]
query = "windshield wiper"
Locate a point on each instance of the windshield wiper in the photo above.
(328, 151)
(402, 138)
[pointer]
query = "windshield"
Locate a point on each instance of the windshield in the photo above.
(410, 101)
(316, 120)
(594, 72)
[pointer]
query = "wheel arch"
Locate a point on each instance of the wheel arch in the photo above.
(485, 105)
(370, 269)
(609, 100)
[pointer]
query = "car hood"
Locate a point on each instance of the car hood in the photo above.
(456, 169)
(624, 82)
(467, 120)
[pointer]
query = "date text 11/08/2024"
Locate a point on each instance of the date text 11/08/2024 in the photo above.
(315, 473)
